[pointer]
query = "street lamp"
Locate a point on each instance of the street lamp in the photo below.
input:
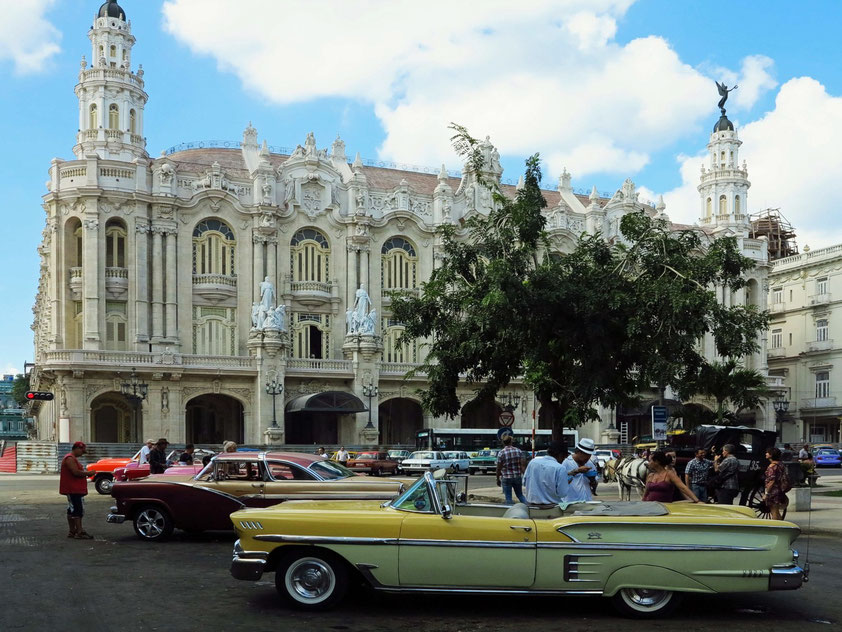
(781, 405)
(370, 391)
(274, 388)
(135, 391)
(510, 401)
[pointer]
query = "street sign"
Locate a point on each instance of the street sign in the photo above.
(42, 395)
(659, 423)
(507, 418)
(505, 430)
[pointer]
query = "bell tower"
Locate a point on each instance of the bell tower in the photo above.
(111, 96)
(724, 182)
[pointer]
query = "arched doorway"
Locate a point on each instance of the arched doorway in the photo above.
(399, 419)
(112, 420)
(214, 418)
(481, 414)
(316, 418)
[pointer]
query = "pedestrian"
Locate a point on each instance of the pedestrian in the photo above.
(727, 468)
(186, 457)
(777, 484)
(145, 450)
(321, 452)
(73, 483)
(579, 471)
(545, 478)
(787, 454)
(158, 457)
(804, 452)
(662, 481)
(594, 479)
(342, 456)
(697, 474)
(510, 470)
(229, 446)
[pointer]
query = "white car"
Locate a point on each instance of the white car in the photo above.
(602, 457)
(425, 461)
(460, 461)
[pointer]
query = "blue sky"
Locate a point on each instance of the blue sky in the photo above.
(608, 89)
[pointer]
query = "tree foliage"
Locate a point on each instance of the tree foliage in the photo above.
(593, 326)
(19, 388)
(728, 382)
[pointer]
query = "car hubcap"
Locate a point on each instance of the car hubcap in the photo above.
(310, 579)
(150, 523)
(645, 599)
(105, 485)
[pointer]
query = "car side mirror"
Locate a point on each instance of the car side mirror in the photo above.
(461, 498)
(447, 512)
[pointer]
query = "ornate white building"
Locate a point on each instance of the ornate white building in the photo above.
(212, 271)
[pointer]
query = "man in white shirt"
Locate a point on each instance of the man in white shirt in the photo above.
(580, 468)
(342, 456)
(545, 479)
(145, 450)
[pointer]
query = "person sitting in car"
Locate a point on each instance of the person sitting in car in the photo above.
(186, 457)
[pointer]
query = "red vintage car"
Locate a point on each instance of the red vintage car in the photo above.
(160, 503)
(374, 463)
(103, 469)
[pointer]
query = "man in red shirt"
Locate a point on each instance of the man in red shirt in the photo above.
(73, 483)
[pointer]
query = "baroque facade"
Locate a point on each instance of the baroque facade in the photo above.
(210, 272)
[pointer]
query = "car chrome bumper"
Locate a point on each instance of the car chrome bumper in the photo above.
(247, 565)
(114, 517)
(789, 577)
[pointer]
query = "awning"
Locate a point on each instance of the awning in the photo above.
(326, 402)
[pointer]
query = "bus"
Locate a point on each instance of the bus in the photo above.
(473, 439)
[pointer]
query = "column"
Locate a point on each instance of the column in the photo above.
(258, 267)
(271, 263)
(172, 288)
(353, 275)
(141, 282)
(157, 285)
(91, 281)
(364, 272)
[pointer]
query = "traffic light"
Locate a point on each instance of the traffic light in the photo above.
(43, 395)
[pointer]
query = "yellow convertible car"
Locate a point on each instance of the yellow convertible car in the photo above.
(642, 555)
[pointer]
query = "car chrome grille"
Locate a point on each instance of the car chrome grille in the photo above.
(251, 524)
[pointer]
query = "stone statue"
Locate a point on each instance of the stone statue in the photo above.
(310, 144)
(350, 321)
(369, 324)
(262, 310)
(289, 189)
(723, 92)
(267, 293)
(362, 304)
(279, 317)
(255, 311)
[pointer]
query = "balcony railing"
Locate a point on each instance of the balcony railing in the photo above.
(778, 352)
(399, 368)
(820, 299)
(310, 286)
(819, 402)
(116, 273)
(80, 357)
(777, 308)
(215, 279)
(819, 345)
(319, 365)
(215, 287)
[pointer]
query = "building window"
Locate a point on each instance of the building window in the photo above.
(113, 116)
(393, 351)
(115, 325)
(821, 286)
(77, 238)
(214, 248)
(311, 336)
(215, 331)
(309, 256)
(399, 265)
(790, 340)
(777, 295)
(723, 205)
(132, 122)
(821, 329)
(78, 318)
(113, 50)
(115, 246)
(822, 384)
(93, 122)
(777, 338)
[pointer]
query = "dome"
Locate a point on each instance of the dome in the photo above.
(723, 125)
(111, 9)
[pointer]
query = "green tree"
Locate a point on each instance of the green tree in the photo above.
(728, 382)
(594, 326)
(19, 388)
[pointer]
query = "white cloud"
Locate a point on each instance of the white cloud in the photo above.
(754, 80)
(793, 160)
(11, 369)
(26, 37)
(545, 75)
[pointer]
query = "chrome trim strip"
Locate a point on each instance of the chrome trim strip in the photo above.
(631, 546)
(484, 591)
(315, 539)
(761, 524)
(343, 540)
(469, 544)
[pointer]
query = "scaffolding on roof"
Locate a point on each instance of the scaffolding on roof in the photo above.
(771, 223)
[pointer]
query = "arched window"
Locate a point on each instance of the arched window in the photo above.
(309, 256)
(214, 330)
(723, 205)
(113, 50)
(708, 208)
(213, 248)
(115, 325)
(77, 250)
(393, 351)
(737, 205)
(101, 50)
(115, 245)
(399, 265)
(113, 116)
(311, 336)
(93, 120)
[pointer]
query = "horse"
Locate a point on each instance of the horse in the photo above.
(609, 472)
(631, 473)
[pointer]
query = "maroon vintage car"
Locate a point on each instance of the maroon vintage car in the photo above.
(160, 503)
(374, 463)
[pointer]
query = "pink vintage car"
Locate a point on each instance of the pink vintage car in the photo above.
(135, 470)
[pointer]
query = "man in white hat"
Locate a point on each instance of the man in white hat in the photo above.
(580, 470)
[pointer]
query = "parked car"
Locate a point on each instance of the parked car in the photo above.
(642, 556)
(828, 457)
(351, 455)
(103, 476)
(424, 461)
(160, 503)
(134, 470)
(399, 455)
(484, 462)
(603, 456)
(459, 461)
(374, 463)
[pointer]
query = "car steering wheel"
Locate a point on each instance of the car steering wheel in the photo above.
(222, 476)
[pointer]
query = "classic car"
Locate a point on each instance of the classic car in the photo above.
(160, 503)
(484, 462)
(424, 461)
(828, 457)
(351, 455)
(459, 461)
(103, 469)
(399, 455)
(374, 463)
(134, 470)
(642, 555)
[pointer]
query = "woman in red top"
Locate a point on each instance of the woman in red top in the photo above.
(73, 483)
(663, 481)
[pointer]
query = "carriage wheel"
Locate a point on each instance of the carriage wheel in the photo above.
(754, 499)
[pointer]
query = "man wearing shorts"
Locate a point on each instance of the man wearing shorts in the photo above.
(73, 483)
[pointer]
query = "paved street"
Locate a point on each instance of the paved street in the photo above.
(117, 582)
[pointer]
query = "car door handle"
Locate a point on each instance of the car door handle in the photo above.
(258, 485)
(517, 526)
